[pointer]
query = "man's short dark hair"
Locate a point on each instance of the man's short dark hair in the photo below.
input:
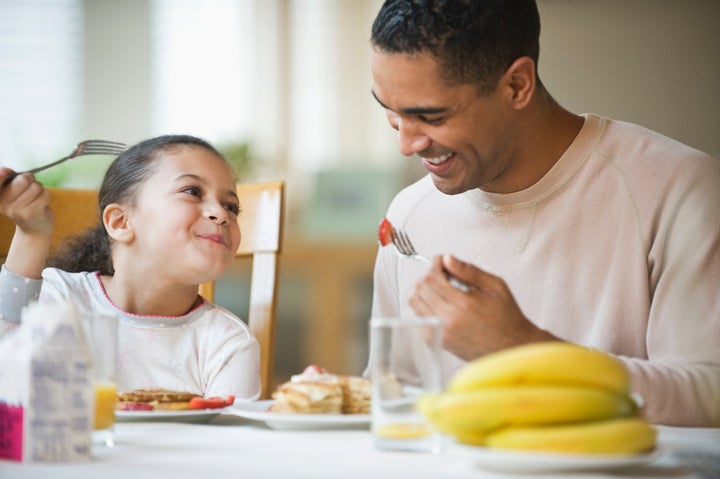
(474, 41)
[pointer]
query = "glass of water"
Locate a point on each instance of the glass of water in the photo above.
(404, 365)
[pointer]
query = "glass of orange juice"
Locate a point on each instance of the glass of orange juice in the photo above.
(404, 365)
(102, 338)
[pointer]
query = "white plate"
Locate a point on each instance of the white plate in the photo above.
(257, 411)
(193, 415)
(530, 461)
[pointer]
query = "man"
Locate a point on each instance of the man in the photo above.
(566, 227)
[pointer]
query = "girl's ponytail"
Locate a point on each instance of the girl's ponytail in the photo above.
(88, 251)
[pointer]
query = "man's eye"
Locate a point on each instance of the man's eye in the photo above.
(233, 208)
(432, 120)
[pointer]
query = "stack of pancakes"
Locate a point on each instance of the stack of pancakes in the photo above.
(159, 399)
(328, 394)
(356, 395)
(308, 397)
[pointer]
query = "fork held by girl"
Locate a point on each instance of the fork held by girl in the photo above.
(168, 222)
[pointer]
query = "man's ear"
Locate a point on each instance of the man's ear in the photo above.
(520, 80)
(117, 223)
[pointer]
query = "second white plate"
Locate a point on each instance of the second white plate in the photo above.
(194, 415)
(531, 461)
(257, 411)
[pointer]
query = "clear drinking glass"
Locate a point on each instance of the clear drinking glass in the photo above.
(404, 364)
(101, 330)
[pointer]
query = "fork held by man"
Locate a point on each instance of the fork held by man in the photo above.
(387, 234)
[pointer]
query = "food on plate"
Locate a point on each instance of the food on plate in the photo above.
(308, 397)
(356, 395)
(625, 435)
(552, 362)
(134, 406)
(316, 391)
(214, 402)
(553, 397)
(159, 399)
(156, 399)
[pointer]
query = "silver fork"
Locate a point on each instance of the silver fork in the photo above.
(87, 147)
(404, 246)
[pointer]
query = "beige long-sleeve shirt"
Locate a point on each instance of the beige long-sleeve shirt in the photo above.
(617, 248)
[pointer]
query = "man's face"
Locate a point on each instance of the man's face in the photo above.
(462, 138)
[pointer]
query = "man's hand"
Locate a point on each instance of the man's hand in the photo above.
(485, 319)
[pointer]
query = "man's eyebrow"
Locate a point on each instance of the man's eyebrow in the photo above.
(418, 110)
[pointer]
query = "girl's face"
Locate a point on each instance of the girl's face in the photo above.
(185, 217)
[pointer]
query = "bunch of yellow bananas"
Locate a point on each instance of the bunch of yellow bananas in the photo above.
(551, 396)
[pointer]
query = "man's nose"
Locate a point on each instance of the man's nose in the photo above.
(410, 138)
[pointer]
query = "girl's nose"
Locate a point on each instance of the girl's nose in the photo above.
(217, 213)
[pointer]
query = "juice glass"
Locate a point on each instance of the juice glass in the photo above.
(404, 365)
(101, 331)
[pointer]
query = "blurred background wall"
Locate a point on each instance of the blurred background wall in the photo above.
(284, 85)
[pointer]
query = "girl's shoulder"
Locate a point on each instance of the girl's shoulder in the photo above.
(215, 317)
(69, 284)
(59, 275)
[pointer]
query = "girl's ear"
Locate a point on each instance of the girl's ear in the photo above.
(117, 223)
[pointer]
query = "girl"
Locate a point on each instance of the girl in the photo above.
(168, 222)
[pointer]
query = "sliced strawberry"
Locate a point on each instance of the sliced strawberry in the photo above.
(208, 403)
(134, 406)
(385, 232)
(314, 370)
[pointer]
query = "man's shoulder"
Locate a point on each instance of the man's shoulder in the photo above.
(635, 142)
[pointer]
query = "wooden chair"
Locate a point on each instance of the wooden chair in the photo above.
(261, 226)
(74, 210)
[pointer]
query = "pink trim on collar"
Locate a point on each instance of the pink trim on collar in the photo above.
(148, 316)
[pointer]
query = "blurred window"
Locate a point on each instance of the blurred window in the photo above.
(202, 76)
(40, 78)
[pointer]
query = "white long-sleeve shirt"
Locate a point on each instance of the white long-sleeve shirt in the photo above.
(208, 351)
(617, 248)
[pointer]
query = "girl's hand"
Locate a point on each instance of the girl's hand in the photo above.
(25, 202)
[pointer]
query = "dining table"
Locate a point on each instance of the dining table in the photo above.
(229, 445)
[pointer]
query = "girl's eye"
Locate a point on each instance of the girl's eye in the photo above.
(233, 208)
(193, 190)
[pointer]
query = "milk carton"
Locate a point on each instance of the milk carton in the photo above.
(46, 393)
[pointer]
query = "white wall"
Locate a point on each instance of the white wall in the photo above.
(652, 62)
(117, 70)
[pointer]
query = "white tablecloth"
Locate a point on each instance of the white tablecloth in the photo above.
(229, 446)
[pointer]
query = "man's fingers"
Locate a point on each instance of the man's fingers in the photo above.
(473, 276)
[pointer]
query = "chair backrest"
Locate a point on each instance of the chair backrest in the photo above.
(261, 225)
(74, 210)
